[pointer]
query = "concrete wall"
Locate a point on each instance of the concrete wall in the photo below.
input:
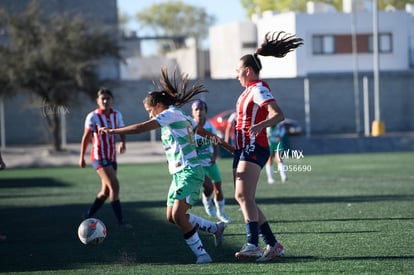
(331, 106)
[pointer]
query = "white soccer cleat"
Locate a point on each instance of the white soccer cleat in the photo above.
(249, 251)
(204, 259)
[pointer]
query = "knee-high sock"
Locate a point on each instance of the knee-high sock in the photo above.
(96, 205)
(252, 231)
(269, 171)
(267, 234)
(117, 208)
(203, 224)
(194, 242)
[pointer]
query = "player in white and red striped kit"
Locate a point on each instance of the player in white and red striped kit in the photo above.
(103, 153)
(256, 109)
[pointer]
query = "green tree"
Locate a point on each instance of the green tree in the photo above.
(175, 18)
(123, 19)
(258, 6)
(54, 58)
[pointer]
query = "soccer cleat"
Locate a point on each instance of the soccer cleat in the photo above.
(204, 259)
(271, 252)
(270, 181)
(249, 251)
(219, 235)
(223, 217)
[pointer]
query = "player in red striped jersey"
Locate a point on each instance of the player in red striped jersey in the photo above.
(256, 109)
(103, 153)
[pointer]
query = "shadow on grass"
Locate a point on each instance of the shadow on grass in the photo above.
(31, 182)
(45, 238)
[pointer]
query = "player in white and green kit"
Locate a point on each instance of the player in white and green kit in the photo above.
(207, 150)
(177, 134)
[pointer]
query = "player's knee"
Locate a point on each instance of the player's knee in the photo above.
(169, 217)
(178, 218)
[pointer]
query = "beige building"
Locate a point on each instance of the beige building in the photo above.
(328, 38)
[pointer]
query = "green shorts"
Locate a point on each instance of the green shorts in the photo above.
(213, 173)
(276, 147)
(186, 185)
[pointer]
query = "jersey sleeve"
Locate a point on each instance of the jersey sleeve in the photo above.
(120, 119)
(89, 122)
(262, 95)
(165, 118)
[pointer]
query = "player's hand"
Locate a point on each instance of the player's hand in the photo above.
(122, 147)
(255, 130)
(82, 163)
(212, 161)
(103, 130)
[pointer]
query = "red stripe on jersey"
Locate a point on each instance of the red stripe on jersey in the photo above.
(250, 110)
(103, 145)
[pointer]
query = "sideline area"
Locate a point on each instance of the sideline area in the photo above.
(152, 151)
(41, 155)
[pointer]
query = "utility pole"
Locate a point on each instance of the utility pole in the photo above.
(378, 127)
(355, 69)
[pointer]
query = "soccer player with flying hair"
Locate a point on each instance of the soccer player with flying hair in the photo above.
(256, 109)
(177, 136)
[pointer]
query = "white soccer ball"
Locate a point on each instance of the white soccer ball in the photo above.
(92, 231)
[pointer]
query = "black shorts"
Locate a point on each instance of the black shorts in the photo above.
(252, 153)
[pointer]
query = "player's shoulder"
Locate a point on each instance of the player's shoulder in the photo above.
(92, 114)
(116, 111)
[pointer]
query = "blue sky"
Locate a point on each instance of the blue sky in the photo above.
(225, 11)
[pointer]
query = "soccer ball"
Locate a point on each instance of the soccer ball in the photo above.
(92, 231)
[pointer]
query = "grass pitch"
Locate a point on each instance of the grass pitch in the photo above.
(349, 214)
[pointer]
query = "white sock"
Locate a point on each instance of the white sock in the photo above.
(196, 245)
(282, 171)
(219, 206)
(203, 224)
(269, 171)
(206, 200)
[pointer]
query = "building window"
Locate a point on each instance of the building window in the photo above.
(323, 44)
(384, 43)
(342, 43)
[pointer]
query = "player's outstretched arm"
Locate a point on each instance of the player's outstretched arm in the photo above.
(138, 128)
(214, 139)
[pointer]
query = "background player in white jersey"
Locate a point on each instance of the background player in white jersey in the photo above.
(177, 136)
(276, 134)
(256, 109)
(207, 151)
(103, 153)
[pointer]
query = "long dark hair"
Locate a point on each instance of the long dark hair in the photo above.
(276, 44)
(173, 91)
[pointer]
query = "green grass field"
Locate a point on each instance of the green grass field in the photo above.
(351, 214)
